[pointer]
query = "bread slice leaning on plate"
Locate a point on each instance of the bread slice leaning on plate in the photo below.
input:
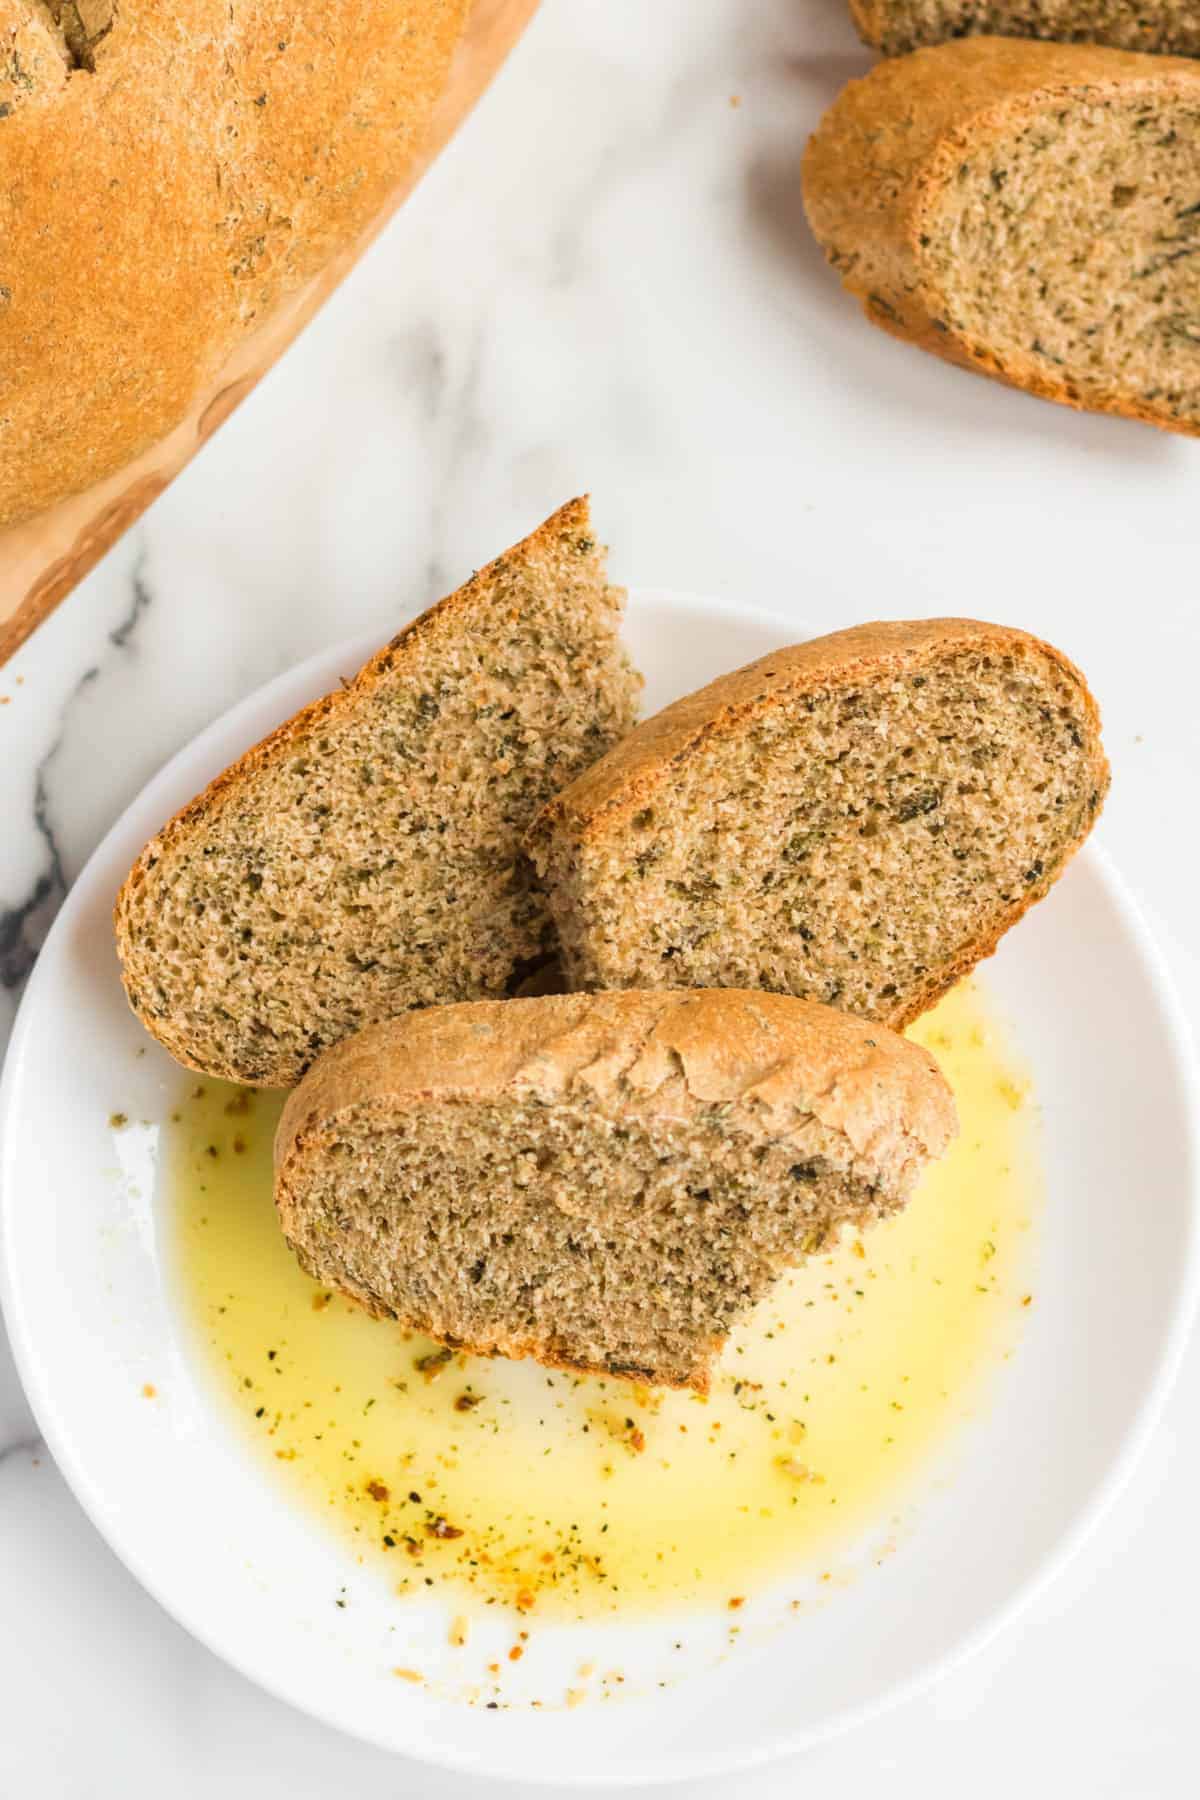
(857, 819)
(365, 858)
(605, 1182)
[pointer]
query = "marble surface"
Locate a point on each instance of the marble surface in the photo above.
(607, 283)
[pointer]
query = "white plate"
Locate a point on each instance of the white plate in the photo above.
(170, 1484)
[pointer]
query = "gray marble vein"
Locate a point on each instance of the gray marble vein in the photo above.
(23, 925)
(121, 635)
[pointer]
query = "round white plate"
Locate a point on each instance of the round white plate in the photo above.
(171, 1485)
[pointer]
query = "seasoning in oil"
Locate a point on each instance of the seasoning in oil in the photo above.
(571, 1495)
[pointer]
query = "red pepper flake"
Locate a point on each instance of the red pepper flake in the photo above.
(467, 1402)
(738, 1600)
(378, 1491)
(438, 1528)
(516, 1653)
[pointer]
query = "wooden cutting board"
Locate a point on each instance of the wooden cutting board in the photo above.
(42, 558)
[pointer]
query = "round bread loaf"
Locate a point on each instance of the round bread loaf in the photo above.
(169, 174)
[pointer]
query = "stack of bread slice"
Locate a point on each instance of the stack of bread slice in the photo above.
(750, 893)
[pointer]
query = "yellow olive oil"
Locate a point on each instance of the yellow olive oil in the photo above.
(578, 1496)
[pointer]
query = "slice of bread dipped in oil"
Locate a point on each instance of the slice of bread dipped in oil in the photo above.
(365, 858)
(604, 1182)
(857, 819)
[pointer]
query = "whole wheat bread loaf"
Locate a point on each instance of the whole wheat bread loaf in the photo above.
(605, 1182)
(895, 26)
(365, 857)
(170, 175)
(857, 819)
(1030, 211)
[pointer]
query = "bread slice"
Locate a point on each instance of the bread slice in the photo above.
(365, 857)
(857, 819)
(895, 26)
(605, 1182)
(1027, 210)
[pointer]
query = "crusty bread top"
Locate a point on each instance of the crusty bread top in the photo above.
(773, 1061)
(625, 777)
(170, 174)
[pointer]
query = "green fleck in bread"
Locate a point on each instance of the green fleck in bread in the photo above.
(364, 858)
(895, 26)
(1027, 210)
(857, 819)
(605, 1182)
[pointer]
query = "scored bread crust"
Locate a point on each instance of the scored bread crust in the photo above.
(636, 769)
(893, 139)
(774, 1061)
(196, 818)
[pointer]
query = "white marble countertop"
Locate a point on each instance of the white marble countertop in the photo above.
(607, 283)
